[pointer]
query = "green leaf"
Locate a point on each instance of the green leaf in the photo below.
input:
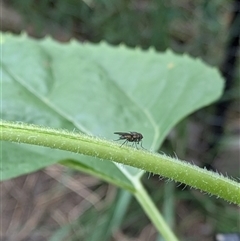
(98, 89)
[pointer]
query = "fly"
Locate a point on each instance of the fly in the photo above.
(131, 136)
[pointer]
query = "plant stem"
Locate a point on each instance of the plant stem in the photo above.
(154, 215)
(168, 167)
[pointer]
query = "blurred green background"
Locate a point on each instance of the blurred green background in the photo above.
(210, 137)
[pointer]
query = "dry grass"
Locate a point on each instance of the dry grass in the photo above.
(35, 205)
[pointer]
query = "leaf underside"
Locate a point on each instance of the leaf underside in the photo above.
(97, 89)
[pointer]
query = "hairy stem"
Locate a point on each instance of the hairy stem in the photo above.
(163, 165)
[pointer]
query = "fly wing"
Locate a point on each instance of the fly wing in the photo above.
(121, 133)
(124, 135)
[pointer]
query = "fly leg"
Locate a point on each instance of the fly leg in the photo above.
(126, 141)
